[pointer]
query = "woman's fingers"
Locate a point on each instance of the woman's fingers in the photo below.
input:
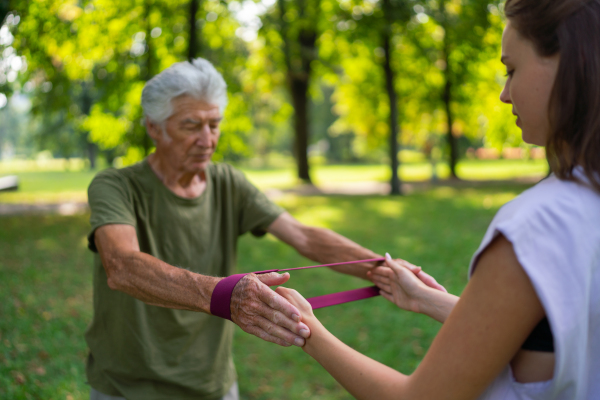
(430, 281)
(413, 268)
(398, 264)
(295, 299)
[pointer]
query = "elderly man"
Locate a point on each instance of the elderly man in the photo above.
(165, 233)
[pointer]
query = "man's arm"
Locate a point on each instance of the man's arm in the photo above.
(325, 246)
(257, 309)
(322, 245)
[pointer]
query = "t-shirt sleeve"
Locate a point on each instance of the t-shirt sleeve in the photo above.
(550, 245)
(110, 201)
(550, 240)
(257, 211)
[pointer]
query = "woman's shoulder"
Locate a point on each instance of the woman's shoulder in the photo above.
(555, 216)
(554, 199)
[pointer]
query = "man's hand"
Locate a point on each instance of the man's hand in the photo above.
(264, 313)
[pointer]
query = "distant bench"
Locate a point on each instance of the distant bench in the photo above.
(10, 182)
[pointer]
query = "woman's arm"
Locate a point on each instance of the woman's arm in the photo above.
(406, 289)
(497, 311)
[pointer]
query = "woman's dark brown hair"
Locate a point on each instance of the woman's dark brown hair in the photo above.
(571, 28)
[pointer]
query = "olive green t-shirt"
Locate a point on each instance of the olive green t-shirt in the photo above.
(146, 352)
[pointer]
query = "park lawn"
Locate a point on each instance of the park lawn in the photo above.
(45, 301)
(65, 186)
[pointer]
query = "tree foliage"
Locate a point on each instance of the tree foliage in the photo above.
(348, 72)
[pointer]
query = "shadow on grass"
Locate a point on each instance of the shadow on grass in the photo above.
(45, 301)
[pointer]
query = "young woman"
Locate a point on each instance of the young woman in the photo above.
(527, 325)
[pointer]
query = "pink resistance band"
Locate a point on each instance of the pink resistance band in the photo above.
(220, 302)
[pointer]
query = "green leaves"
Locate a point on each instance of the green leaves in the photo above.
(105, 129)
(86, 63)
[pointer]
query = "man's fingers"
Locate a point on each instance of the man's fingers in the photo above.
(382, 271)
(260, 333)
(382, 283)
(385, 287)
(282, 313)
(275, 330)
(279, 303)
(387, 296)
(273, 278)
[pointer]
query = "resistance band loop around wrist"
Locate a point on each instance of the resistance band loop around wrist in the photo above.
(220, 302)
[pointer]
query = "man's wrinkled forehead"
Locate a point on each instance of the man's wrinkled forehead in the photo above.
(198, 121)
(189, 108)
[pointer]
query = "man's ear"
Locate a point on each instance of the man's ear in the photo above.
(154, 130)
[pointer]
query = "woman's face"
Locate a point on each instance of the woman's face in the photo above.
(529, 85)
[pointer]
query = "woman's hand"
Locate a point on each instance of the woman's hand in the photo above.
(297, 300)
(404, 284)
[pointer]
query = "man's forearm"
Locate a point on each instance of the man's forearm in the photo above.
(157, 283)
(326, 246)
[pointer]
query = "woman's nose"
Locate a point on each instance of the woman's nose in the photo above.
(505, 94)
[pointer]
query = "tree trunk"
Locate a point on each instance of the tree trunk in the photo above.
(298, 75)
(299, 88)
(452, 142)
(86, 108)
(91, 148)
(395, 185)
(4, 9)
(447, 98)
(193, 47)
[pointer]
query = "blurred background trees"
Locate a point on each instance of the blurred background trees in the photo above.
(339, 81)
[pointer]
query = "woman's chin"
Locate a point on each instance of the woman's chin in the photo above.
(534, 138)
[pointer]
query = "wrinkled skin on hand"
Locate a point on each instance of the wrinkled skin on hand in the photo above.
(262, 312)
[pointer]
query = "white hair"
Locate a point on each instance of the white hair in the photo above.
(198, 79)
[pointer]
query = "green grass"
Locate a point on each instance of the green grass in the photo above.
(60, 186)
(45, 298)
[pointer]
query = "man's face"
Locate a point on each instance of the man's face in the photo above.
(192, 133)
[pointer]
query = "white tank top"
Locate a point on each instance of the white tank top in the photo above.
(554, 228)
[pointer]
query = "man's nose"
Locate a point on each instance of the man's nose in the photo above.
(203, 136)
